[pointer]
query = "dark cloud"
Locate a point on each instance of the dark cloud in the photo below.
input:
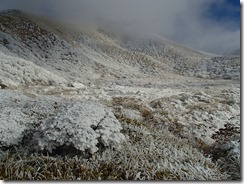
(183, 21)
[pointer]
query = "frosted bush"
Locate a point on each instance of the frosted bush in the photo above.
(42, 107)
(16, 71)
(9, 98)
(19, 113)
(13, 124)
(83, 125)
(53, 122)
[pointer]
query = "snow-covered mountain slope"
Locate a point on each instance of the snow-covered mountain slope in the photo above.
(15, 71)
(86, 55)
(236, 52)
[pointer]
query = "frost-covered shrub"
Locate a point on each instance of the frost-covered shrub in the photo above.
(83, 125)
(19, 113)
(9, 98)
(13, 122)
(52, 122)
(12, 125)
(15, 71)
(42, 107)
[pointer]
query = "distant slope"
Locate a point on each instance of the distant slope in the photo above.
(236, 52)
(85, 55)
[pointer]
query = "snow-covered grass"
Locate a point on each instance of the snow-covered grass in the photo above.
(150, 154)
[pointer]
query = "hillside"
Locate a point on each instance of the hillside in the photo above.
(96, 104)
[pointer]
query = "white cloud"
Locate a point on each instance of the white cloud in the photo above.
(179, 20)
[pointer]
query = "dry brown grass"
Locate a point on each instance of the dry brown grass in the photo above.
(134, 104)
(225, 134)
(123, 118)
(39, 167)
(126, 102)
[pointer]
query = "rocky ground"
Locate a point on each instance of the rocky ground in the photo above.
(90, 105)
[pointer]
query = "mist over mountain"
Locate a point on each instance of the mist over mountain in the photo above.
(192, 23)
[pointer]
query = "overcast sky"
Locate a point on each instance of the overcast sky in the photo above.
(208, 25)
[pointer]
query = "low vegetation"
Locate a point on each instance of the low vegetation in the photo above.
(150, 154)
